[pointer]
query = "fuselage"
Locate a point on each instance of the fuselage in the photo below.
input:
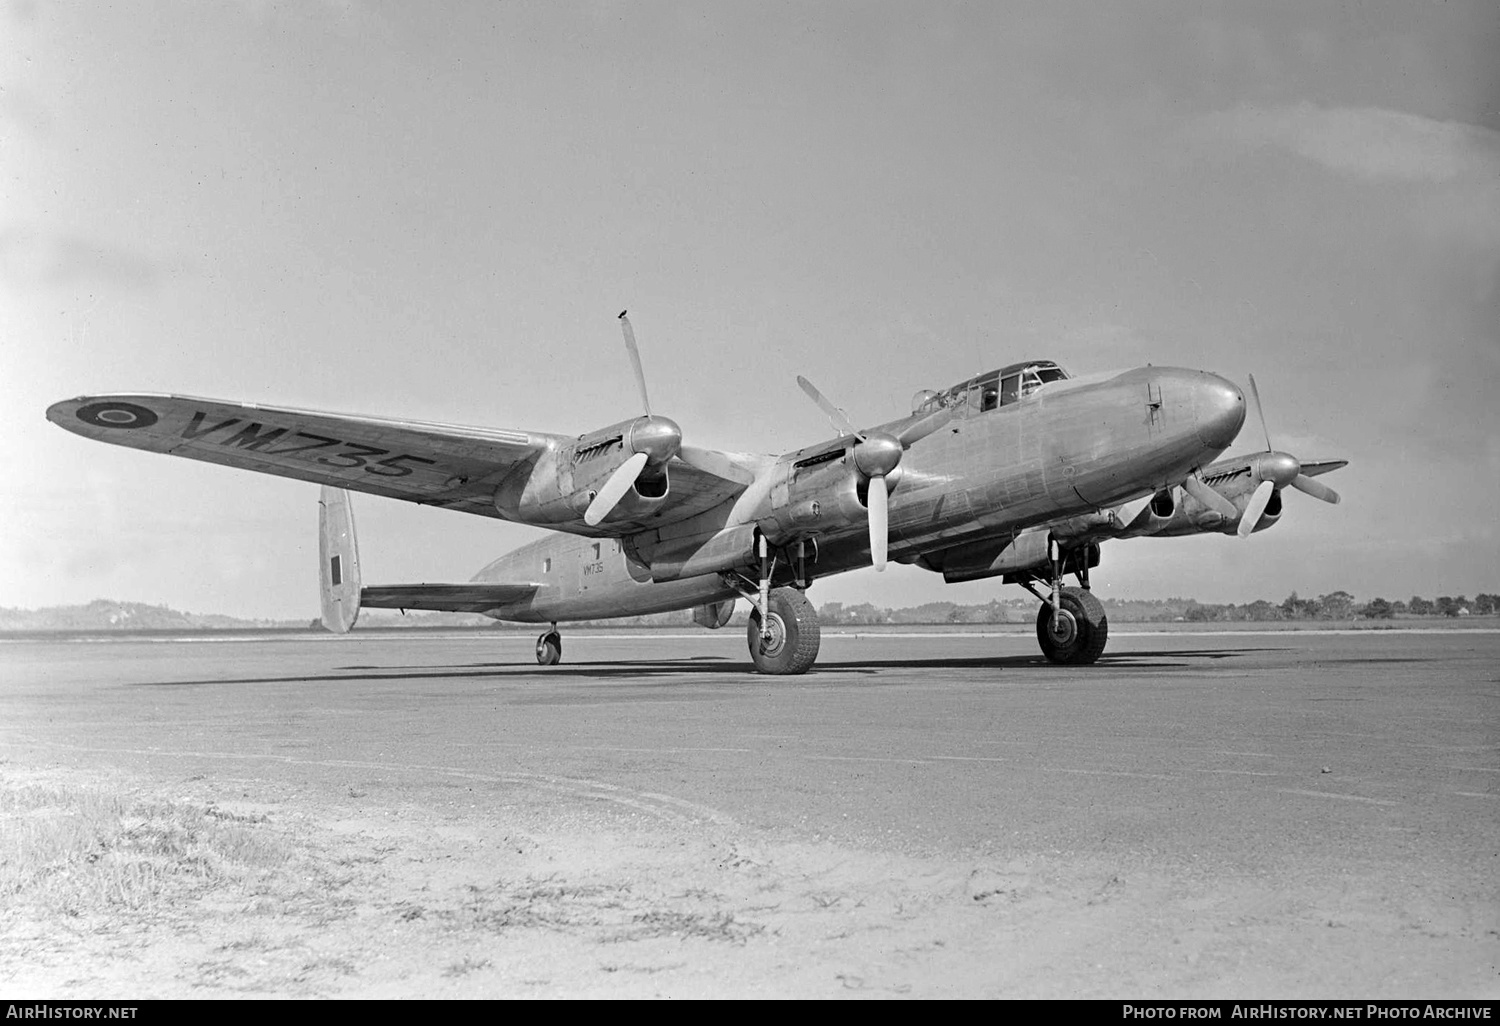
(993, 469)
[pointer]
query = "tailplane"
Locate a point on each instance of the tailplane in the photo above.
(338, 561)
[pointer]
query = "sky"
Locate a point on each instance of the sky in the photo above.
(435, 211)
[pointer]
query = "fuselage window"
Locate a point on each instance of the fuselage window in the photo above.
(547, 565)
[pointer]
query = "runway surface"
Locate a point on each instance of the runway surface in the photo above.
(1309, 814)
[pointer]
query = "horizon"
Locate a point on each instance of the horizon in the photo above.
(1019, 600)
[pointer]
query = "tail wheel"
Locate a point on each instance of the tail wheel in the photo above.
(1080, 633)
(790, 642)
(549, 649)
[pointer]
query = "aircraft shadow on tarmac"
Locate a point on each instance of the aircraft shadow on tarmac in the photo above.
(699, 666)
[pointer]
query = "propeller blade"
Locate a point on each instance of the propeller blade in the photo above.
(1255, 394)
(878, 521)
(1255, 508)
(614, 489)
(840, 421)
(635, 360)
(1125, 515)
(1317, 489)
(1195, 487)
(715, 463)
(918, 430)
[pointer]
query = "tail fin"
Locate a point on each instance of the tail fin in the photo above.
(338, 566)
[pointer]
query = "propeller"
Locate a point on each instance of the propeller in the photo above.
(1126, 515)
(635, 360)
(654, 441)
(1253, 510)
(876, 455)
(1277, 470)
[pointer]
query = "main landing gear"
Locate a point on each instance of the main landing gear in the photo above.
(549, 648)
(1071, 626)
(786, 639)
(1075, 634)
(783, 634)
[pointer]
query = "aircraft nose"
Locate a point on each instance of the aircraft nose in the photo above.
(1220, 408)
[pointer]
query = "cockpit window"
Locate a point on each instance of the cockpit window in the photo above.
(1034, 377)
(1010, 389)
(991, 391)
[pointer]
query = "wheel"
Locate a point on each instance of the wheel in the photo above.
(1082, 631)
(549, 649)
(794, 636)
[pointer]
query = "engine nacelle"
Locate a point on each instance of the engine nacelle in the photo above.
(1193, 517)
(1155, 516)
(819, 495)
(559, 485)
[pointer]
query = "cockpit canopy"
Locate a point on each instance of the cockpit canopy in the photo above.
(992, 390)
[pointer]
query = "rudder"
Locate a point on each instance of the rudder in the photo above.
(338, 561)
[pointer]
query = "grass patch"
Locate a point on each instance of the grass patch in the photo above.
(77, 849)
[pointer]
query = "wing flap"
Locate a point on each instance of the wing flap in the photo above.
(453, 598)
(438, 464)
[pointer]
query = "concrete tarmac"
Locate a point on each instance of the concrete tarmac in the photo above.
(1322, 761)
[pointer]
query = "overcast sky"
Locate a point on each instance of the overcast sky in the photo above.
(435, 211)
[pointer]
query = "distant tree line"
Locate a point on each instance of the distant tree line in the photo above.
(1336, 605)
(1340, 605)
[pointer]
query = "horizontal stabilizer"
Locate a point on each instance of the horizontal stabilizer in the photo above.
(453, 598)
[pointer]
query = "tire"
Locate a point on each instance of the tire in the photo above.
(793, 645)
(549, 649)
(1088, 629)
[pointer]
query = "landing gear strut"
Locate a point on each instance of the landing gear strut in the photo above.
(549, 648)
(783, 633)
(1071, 626)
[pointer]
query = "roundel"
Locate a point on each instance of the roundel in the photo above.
(116, 415)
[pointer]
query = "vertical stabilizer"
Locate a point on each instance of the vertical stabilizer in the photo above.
(338, 561)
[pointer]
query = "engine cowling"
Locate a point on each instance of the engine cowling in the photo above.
(821, 494)
(559, 486)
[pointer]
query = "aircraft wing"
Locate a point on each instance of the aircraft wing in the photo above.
(432, 464)
(456, 598)
(438, 464)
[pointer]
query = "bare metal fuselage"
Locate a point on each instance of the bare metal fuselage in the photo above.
(1072, 448)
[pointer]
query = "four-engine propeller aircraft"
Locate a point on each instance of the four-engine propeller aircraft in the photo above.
(1017, 473)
